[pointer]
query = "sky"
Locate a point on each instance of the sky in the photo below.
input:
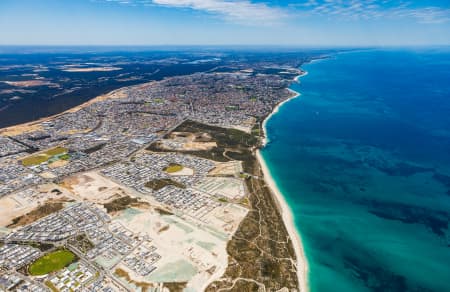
(225, 22)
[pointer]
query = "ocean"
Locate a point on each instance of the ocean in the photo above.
(363, 159)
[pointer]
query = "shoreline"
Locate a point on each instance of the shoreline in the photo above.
(287, 216)
(286, 212)
(277, 107)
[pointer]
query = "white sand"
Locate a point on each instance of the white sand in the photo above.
(286, 212)
(302, 264)
(179, 245)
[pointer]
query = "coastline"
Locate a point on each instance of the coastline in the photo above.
(277, 107)
(286, 212)
(284, 209)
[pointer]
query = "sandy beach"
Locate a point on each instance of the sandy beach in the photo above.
(302, 264)
(297, 78)
(286, 213)
(287, 216)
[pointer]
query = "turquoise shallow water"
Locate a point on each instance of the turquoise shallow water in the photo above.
(363, 159)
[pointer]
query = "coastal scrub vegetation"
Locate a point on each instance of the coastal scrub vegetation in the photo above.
(122, 203)
(232, 144)
(261, 253)
(49, 207)
(157, 184)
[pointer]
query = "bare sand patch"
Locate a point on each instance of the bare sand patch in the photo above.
(91, 69)
(75, 131)
(20, 129)
(231, 168)
(48, 175)
(184, 141)
(226, 218)
(58, 163)
(200, 255)
(198, 146)
(93, 187)
(28, 83)
(12, 207)
(194, 137)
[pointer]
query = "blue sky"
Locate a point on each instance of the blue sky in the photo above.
(225, 22)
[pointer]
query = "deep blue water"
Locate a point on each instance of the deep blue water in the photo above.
(363, 159)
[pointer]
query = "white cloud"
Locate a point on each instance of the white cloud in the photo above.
(251, 13)
(238, 11)
(373, 9)
(427, 15)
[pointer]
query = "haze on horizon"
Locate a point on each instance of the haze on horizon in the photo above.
(225, 22)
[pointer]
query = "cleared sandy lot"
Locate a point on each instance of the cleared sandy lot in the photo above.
(23, 202)
(93, 187)
(189, 252)
(231, 168)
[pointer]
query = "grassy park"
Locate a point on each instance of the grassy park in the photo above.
(45, 156)
(173, 167)
(51, 262)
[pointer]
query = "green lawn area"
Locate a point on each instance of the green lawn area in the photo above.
(65, 156)
(37, 159)
(173, 167)
(34, 160)
(56, 151)
(51, 262)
